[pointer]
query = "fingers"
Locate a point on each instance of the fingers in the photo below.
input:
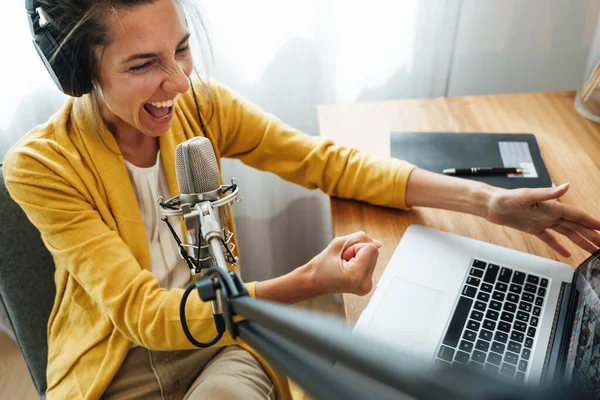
(587, 239)
(590, 234)
(551, 193)
(551, 241)
(575, 237)
(367, 257)
(363, 265)
(578, 226)
(576, 215)
(345, 242)
(352, 251)
(363, 252)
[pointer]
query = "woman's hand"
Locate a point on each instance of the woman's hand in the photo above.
(346, 265)
(537, 211)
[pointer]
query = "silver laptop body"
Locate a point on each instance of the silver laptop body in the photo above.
(414, 305)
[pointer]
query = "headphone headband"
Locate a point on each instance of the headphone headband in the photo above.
(67, 65)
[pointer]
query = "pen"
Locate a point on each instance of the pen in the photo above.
(482, 171)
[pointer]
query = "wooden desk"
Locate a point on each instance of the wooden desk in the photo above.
(570, 145)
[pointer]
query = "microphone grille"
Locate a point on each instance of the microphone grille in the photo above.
(196, 167)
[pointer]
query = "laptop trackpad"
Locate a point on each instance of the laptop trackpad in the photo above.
(405, 314)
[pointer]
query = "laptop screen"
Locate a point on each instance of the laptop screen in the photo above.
(583, 357)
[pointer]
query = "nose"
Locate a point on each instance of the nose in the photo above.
(176, 80)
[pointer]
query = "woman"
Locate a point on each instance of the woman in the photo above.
(114, 331)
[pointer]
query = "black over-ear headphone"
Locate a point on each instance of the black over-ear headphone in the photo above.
(69, 67)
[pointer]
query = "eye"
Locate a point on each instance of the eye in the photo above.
(183, 49)
(140, 67)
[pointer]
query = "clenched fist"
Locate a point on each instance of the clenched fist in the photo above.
(346, 265)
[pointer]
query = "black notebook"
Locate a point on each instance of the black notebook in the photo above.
(436, 151)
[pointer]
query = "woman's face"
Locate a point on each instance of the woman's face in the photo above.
(144, 68)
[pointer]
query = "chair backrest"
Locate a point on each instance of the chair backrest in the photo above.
(27, 287)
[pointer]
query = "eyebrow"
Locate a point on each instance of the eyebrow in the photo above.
(153, 55)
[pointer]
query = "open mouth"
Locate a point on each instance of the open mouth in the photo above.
(160, 111)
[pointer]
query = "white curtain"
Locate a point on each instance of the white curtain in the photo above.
(289, 56)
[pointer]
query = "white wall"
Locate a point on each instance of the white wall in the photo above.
(522, 45)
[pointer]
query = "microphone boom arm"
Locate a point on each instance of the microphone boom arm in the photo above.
(329, 362)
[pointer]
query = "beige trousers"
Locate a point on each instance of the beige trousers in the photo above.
(222, 373)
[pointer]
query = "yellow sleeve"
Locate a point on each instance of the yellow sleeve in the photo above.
(47, 189)
(262, 141)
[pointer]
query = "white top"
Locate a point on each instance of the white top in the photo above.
(148, 184)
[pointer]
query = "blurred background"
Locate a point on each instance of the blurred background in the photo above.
(289, 56)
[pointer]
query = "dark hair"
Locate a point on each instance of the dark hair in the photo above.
(83, 25)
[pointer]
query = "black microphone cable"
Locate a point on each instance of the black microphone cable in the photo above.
(218, 318)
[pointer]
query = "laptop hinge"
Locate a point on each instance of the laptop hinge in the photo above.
(560, 334)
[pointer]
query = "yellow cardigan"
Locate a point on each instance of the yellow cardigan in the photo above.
(71, 180)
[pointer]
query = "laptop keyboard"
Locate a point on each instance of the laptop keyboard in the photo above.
(495, 321)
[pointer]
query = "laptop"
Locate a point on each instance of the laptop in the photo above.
(456, 300)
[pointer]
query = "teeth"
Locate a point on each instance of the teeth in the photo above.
(167, 103)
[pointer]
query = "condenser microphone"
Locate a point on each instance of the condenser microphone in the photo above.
(198, 180)
(202, 202)
(197, 171)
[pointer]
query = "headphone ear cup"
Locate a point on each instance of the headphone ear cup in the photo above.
(69, 70)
